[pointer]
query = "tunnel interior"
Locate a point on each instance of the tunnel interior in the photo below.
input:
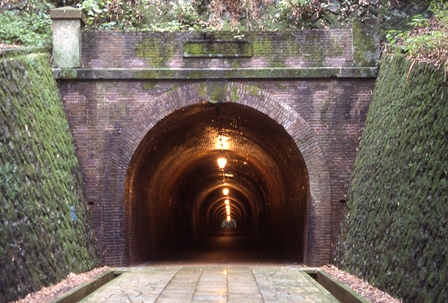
(174, 191)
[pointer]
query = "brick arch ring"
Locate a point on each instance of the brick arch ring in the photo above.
(317, 246)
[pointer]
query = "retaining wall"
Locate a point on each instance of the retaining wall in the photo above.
(395, 231)
(40, 180)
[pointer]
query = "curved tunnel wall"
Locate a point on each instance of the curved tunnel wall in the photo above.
(175, 186)
(146, 194)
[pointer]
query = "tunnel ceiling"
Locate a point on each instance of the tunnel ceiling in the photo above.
(177, 160)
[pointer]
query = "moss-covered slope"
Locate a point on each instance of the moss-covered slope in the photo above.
(395, 234)
(39, 181)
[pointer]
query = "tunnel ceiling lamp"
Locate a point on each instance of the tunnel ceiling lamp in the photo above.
(226, 201)
(225, 191)
(228, 218)
(222, 162)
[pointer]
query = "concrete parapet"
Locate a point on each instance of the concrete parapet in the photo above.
(67, 24)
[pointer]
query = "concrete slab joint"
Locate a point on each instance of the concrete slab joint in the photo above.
(67, 24)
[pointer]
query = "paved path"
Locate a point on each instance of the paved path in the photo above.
(212, 283)
(221, 267)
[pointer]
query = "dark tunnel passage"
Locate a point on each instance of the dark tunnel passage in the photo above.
(174, 192)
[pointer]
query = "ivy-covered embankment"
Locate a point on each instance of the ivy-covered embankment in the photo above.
(39, 181)
(395, 234)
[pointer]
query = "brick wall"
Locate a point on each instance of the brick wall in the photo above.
(110, 119)
(316, 48)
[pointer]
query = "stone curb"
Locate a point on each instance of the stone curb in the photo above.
(82, 291)
(317, 284)
(338, 289)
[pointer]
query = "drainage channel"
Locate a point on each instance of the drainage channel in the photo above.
(82, 291)
(339, 290)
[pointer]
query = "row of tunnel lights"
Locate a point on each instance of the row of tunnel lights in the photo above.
(222, 164)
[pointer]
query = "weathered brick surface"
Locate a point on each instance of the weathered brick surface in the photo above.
(336, 111)
(329, 116)
(110, 121)
(317, 48)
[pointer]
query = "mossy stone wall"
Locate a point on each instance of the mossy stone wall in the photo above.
(395, 233)
(40, 180)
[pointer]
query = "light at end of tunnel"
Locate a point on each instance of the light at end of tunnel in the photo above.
(226, 201)
(225, 191)
(222, 162)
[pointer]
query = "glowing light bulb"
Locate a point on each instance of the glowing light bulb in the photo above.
(225, 191)
(228, 218)
(226, 201)
(222, 162)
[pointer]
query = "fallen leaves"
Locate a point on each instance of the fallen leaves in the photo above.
(367, 291)
(47, 294)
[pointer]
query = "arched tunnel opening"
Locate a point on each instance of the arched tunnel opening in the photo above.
(175, 188)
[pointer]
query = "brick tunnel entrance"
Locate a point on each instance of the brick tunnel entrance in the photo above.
(175, 189)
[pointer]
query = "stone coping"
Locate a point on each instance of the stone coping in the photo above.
(66, 12)
(213, 73)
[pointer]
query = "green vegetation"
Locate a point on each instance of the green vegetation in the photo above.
(28, 23)
(428, 38)
(395, 230)
(40, 179)
(30, 26)
(202, 15)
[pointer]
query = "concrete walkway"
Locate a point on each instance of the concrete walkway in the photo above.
(212, 283)
(224, 266)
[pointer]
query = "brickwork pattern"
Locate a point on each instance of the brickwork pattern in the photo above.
(165, 185)
(109, 120)
(108, 130)
(317, 48)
